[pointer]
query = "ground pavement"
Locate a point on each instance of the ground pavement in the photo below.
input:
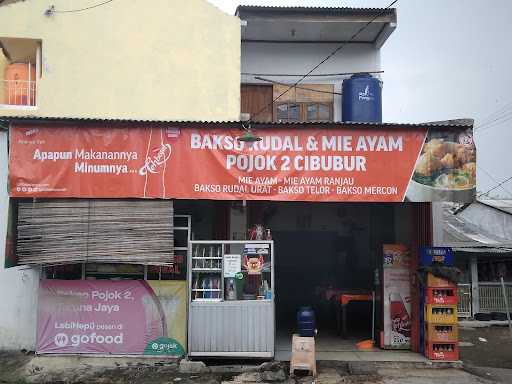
(20, 368)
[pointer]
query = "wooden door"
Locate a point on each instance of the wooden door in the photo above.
(256, 100)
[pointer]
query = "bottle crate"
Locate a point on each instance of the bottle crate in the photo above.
(441, 314)
(442, 351)
(442, 295)
(435, 282)
(441, 333)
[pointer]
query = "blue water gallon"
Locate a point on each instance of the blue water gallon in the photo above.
(306, 324)
(362, 99)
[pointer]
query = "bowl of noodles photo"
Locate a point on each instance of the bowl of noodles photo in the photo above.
(445, 171)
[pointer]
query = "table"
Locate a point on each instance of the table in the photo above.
(341, 314)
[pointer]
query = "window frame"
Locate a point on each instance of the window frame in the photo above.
(303, 111)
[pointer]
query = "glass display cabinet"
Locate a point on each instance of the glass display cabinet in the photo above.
(231, 298)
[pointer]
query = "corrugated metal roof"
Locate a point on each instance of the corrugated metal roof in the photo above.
(445, 124)
(464, 234)
(493, 250)
(501, 204)
(311, 9)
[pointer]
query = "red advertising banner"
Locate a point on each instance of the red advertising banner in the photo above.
(112, 317)
(287, 164)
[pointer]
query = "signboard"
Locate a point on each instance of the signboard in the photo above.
(232, 265)
(396, 296)
(342, 164)
(436, 255)
(112, 317)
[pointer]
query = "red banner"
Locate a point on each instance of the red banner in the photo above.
(287, 164)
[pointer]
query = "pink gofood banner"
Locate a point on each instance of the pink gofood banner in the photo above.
(108, 317)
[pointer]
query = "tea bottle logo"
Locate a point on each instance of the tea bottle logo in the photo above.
(158, 157)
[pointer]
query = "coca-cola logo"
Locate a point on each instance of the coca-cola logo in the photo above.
(159, 157)
(401, 325)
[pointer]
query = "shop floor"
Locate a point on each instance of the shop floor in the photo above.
(330, 346)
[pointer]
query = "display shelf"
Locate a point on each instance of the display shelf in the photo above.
(114, 273)
(206, 258)
(206, 272)
(224, 297)
(206, 269)
(206, 290)
(212, 300)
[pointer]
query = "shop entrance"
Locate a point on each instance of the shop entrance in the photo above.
(326, 255)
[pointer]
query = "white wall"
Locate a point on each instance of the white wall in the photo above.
(18, 301)
(289, 58)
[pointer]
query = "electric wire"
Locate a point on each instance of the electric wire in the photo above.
(311, 75)
(500, 116)
(503, 116)
(499, 112)
(53, 10)
(495, 187)
(497, 123)
(493, 179)
(339, 48)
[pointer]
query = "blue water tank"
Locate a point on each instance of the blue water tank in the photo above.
(306, 323)
(362, 99)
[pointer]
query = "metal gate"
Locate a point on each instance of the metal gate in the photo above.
(464, 300)
(491, 297)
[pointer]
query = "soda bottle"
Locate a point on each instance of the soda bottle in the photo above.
(400, 319)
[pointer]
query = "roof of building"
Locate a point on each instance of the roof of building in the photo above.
(478, 227)
(500, 204)
(460, 123)
(316, 24)
(312, 9)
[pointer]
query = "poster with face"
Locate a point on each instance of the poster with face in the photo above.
(254, 264)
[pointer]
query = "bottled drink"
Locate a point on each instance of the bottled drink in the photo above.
(400, 319)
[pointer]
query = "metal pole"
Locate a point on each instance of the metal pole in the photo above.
(506, 305)
(373, 316)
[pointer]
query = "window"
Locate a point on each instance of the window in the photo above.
(20, 68)
(312, 102)
(288, 112)
(318, 112)
(303, 112)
